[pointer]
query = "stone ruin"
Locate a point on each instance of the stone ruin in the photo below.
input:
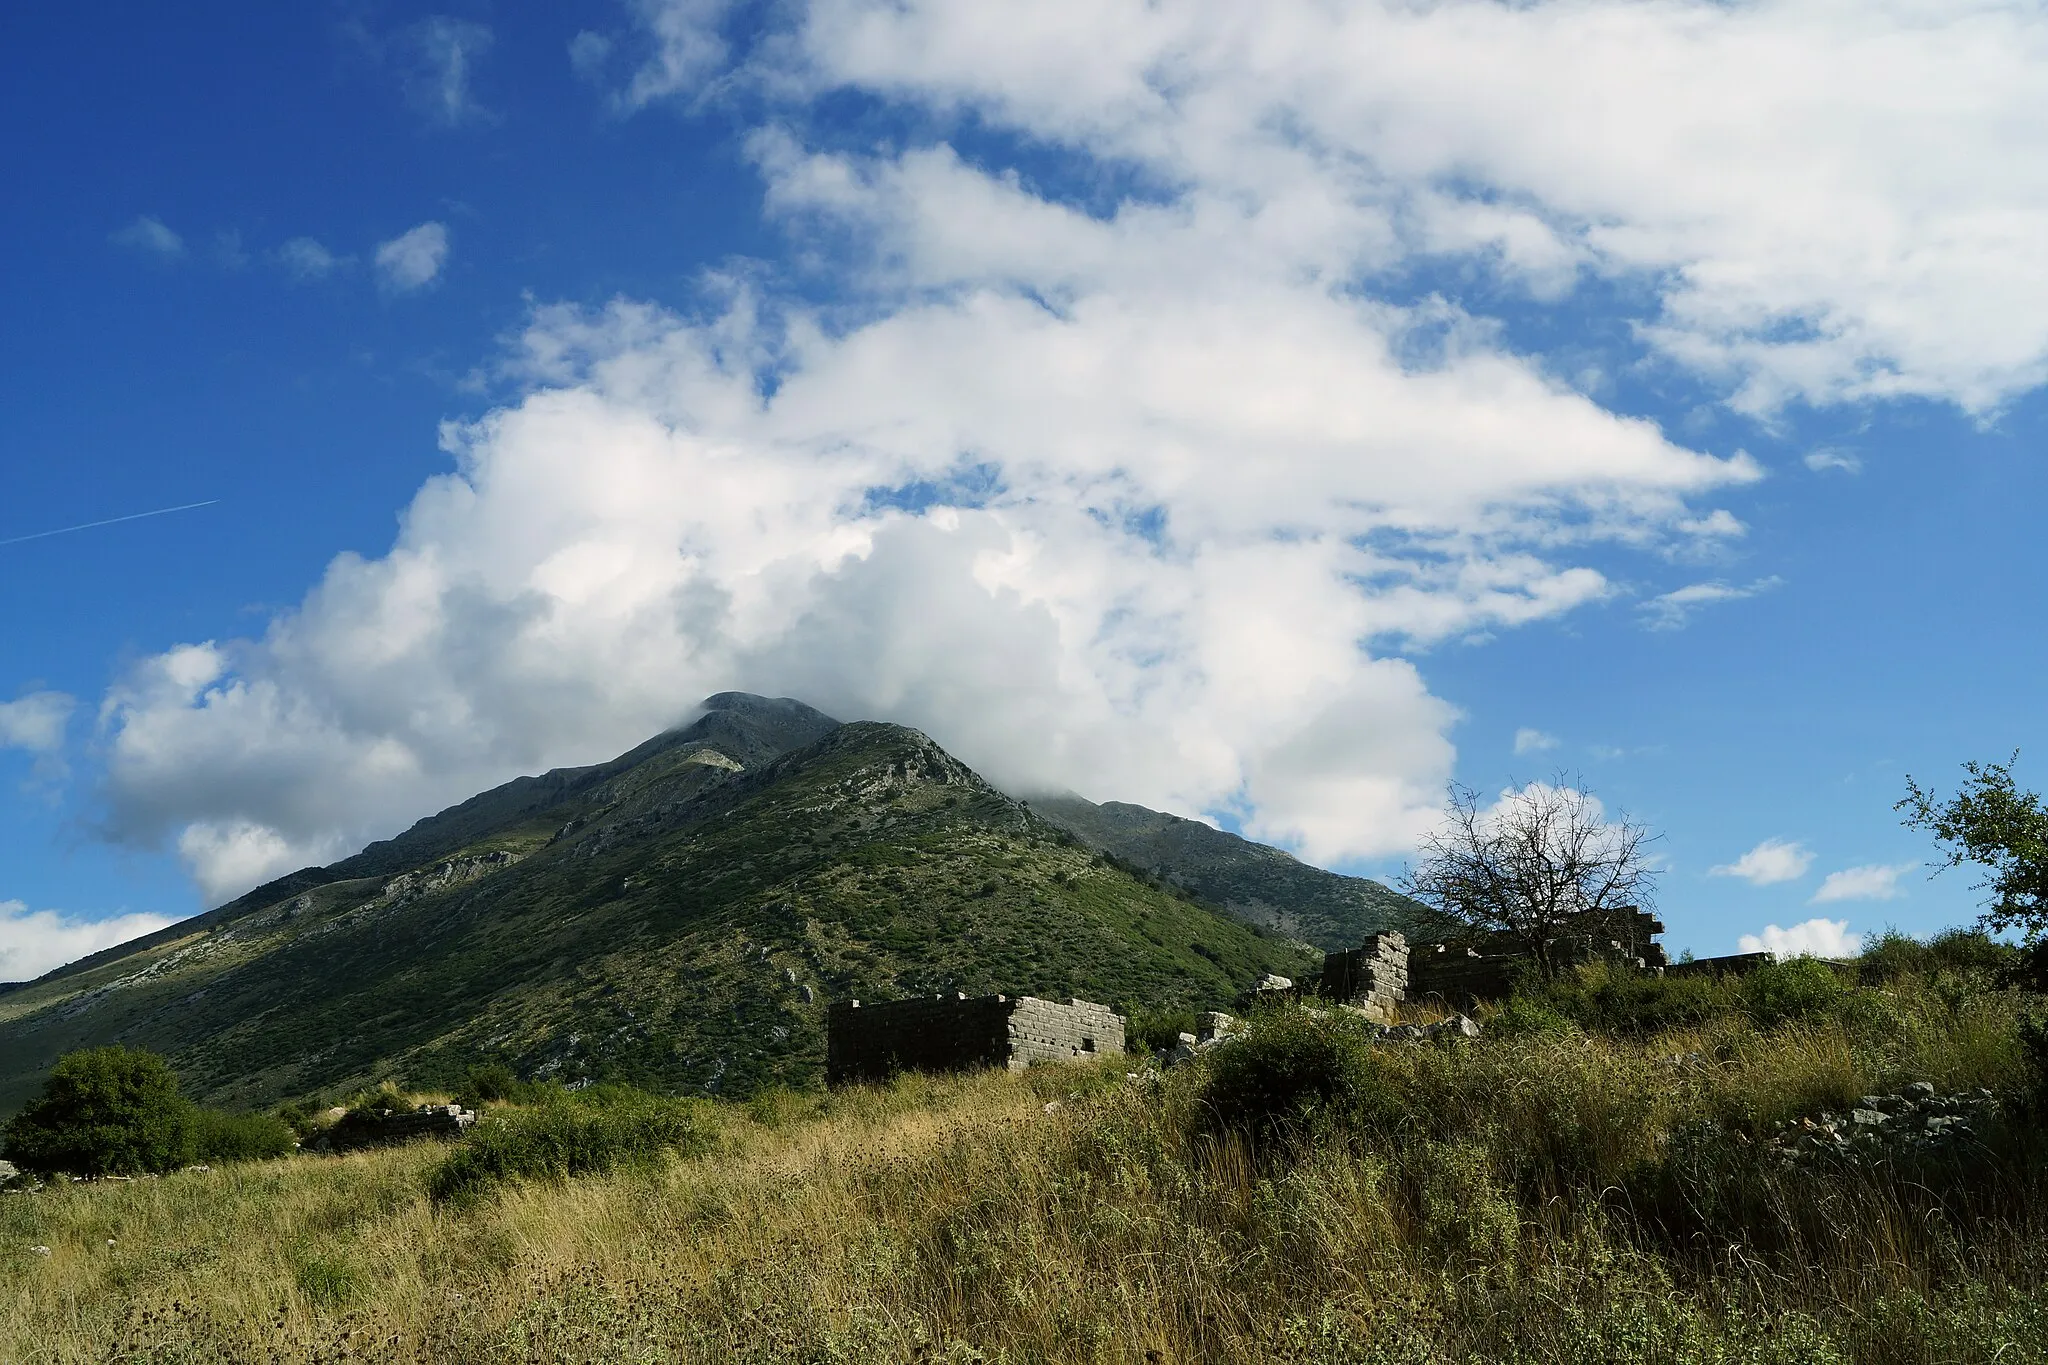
(1460, 972)
(384, 1127)
(960, 1033)
(1372, 977)
(873, 1041)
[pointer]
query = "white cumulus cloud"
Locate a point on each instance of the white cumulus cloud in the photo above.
(36, 941)
(36, 722)
(1871, 882)
(1813, 938)
(1770, 862)
(1808, 234)
(1105, 488)
(1528, 741)
(412, 259)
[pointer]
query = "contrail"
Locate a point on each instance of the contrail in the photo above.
(110, 521)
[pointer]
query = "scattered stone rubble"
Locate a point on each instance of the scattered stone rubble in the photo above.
(1911, 1122)
(385, 1127)
(1216, 1030)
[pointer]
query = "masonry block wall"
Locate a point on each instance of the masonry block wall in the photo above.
(873, 1041)
(1042, 1031)
(1373, 976)
(1460, 979)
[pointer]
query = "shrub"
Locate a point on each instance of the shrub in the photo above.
(1968, 952)
(303, 1117)
(363, 1123)
(1798, 988)
(493, 1083)
(1615, 1000)
(104, 1111)
(1151, 1030)
(1526, 1017)
(1973, 951)
(2028, 968)
(221, 1137)
(1893, 955)
(1291, 1072)
(570, 1135)
(2033, 1030)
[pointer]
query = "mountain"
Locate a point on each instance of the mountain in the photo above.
(1258, 884)
(678, 917)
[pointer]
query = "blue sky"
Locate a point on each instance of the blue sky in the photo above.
(1261, 415)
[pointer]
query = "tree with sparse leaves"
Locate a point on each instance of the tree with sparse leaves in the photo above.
(1540, 867)
(1993, 823)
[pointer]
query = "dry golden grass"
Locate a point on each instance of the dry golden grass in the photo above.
(1074, 1215)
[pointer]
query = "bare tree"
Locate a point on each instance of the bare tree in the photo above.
(1538, 867)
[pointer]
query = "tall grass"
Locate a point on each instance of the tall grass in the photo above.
(1558, 1195)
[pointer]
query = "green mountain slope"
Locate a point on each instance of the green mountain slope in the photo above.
(1254, 882)
(678, 917)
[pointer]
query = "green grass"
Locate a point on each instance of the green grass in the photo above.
(1548, 1194)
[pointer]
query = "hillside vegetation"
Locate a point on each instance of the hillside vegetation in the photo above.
(1543, 1193)
(1254, 882)
(677, 918)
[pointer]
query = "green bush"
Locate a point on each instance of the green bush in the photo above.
(2033, 1030)
(1151, 1030)
(104, 1111)
(1526, 1017)
(1893, 955)
(1606, 999)
(303, 1117)
(1797, 988)
(586, 1133)
(363, 1123)
(1289, 1074)
(223, 1137)
(493, 1083)
(1968, 952)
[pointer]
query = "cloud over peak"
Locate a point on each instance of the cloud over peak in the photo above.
(1104, 487)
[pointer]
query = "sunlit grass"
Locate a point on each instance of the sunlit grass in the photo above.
(1500, 1202)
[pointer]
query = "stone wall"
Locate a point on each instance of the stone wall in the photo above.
(1462, 972)
(1460, 978)
(873, 1041)
(1042, 1031)
(1373, 976)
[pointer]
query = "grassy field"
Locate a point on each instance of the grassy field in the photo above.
(1544, 1193)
